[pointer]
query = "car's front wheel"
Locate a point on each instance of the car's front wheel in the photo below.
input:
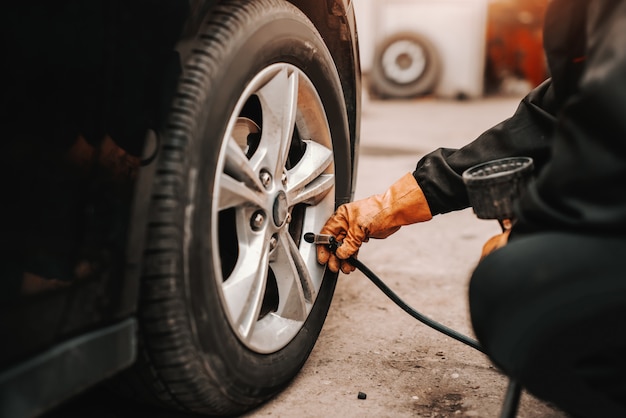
(256, 151)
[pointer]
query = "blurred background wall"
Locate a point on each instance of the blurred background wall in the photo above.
(460, 49)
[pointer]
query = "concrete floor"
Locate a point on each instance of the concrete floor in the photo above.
(368, 344)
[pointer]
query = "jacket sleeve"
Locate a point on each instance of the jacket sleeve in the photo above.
(527, 133)
(583, 186)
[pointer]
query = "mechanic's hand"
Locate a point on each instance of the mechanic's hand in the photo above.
(495, 242)
(377, 216)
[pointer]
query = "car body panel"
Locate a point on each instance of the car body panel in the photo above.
(66, 368)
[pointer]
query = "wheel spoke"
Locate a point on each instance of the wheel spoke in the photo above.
(279, 99)
(234, 193)
(239, 185)
(245, 288)
(307, 181)
(238, 166)
(295, 287)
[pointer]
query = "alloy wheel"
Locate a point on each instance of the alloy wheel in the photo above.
(277, 183)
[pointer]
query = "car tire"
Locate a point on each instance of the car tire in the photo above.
(405, 65)
(255, 155)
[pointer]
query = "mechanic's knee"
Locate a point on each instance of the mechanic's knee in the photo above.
(496, 312)
(486, 295)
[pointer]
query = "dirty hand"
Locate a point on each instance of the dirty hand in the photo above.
(495, 242)
(377, 216)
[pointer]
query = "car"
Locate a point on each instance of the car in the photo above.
(162, 162)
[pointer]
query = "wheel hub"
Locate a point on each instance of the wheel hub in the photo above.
(281, 209)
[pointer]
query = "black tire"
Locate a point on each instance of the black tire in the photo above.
(405, 65)
(193, 355)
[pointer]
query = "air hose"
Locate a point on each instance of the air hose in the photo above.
(513, 392)
(332, 244)
(408, 309)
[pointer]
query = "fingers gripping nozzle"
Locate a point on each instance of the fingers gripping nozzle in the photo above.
(322, 239)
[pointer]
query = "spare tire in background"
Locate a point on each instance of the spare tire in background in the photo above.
(406, 64)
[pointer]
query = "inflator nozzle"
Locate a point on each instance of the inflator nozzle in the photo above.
(322, 239)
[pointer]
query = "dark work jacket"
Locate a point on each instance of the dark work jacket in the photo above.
(573, 126)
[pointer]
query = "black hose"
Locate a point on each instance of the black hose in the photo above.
(514, 390)
(415, 314)
(511, 401)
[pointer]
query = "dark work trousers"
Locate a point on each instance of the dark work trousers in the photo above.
(550, 310)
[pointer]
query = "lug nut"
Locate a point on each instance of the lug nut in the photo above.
(257, 220)
(283, 179)
(266, 179)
